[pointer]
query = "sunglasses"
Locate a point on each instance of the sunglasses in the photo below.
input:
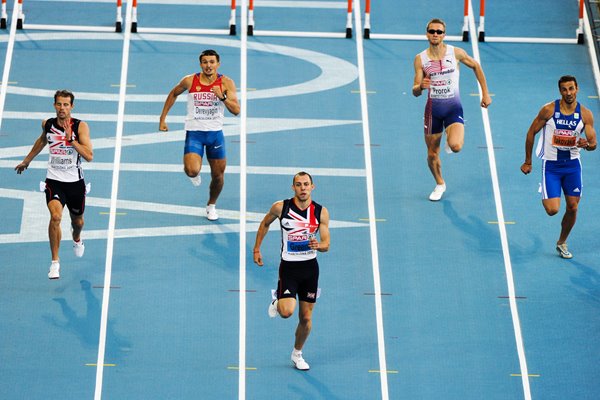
(438, 31)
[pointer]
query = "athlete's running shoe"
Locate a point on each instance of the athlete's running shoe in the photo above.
(273, 309)
(211, 212)
(78, 248)
(196, 180)
(54, 271)
(437, 193)
(299, 361)
(447, 148)
(563, 251)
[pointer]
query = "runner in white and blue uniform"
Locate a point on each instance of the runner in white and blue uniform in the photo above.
(301, 220)
(566, 127)
(209, 93)
(443, 106)
(437, 70)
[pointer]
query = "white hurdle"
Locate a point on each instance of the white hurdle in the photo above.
(78, 28)
(578, 39)
(231, 29)
(367, 34)
(4, 16)
(331, 4)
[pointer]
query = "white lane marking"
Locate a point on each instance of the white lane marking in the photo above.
(371, 204)
(501, 224)
(113, 206)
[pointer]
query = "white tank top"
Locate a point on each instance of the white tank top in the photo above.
(205, 112)
(64, 163)
(444, 75)
(297, 228)
(559, 137)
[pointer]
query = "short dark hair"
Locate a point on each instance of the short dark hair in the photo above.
(436, 21)
(64, 93)
(302, 173)
(210, 52)
(567, 78)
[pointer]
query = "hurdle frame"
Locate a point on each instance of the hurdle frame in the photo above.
(21, 25)
(231, 29)
(20, 15)
(367, 34)
(347, 34)
(579, 33)
(4, 16)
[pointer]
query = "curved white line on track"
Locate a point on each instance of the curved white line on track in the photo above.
(335, 72)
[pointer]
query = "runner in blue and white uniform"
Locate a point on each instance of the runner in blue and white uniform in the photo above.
(437, 69)
(301, 219)
(566, 127)
(209, 93)
(68, 140)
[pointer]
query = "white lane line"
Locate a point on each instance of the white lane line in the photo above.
(243, 172)
(176, 168)
(501, 225)
(113, 205)
(33, 228)
(371, 202)
(8, 60)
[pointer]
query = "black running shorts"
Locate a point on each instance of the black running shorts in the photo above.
(298, 278)
(70, 193)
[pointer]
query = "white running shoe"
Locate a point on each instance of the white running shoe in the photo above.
(54, 271)
(437, 193)
(196, 180)
(299, 362)
(78, 248)
(563, 251)
(273, 309)
(211, 212)
(447, 148)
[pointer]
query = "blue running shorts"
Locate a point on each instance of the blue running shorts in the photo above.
(560, 175)
(214, 141)
(440, 116)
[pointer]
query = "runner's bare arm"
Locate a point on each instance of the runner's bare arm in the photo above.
(182, 86)
(263, 229)
(38, 146)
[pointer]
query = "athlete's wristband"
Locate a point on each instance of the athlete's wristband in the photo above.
(224, 97)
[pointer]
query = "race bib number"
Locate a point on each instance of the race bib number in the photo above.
(298, 244)
(62, 163)
(441, 89)
(204, 113)
(564, 138)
